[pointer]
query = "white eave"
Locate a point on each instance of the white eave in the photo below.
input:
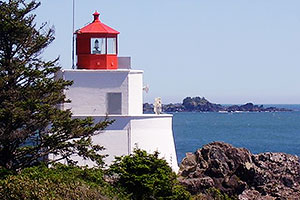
(131, 71)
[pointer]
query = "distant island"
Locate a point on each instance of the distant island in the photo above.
(198, 104)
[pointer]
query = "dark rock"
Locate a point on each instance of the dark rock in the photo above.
(148, 108)
(198, 104)
(254, 195)
(237, 172)
(196, 184)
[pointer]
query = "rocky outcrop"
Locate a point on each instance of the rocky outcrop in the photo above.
(237, 172)
(250, 107)
(198, 104)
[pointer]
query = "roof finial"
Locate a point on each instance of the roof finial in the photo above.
(96, 16)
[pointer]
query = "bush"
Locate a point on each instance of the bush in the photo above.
(58, 182)
(145, 176)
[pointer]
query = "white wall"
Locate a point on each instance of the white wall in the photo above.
(88, 93)
(135, 94)
(148, 132)
(155, 134)
(116, 143)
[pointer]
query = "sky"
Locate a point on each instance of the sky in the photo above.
(228, 51)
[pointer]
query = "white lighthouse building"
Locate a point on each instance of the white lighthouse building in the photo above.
(105, 85)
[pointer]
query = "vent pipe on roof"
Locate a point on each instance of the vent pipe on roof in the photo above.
(96, 16)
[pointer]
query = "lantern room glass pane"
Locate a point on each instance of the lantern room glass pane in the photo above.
(98, 46)
(111, 46)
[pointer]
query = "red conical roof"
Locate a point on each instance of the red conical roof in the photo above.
(97, 27)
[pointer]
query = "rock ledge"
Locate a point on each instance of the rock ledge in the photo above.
(237, 172)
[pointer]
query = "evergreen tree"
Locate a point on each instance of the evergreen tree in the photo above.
(31, 124)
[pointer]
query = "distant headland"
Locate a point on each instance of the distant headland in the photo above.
(200, 104)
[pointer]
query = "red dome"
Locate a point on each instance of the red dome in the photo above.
(97, 27)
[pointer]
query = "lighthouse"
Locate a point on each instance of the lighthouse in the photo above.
(105, 85)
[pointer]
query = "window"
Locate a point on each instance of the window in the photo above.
(114, 103)
(111, 46)
(98, 46)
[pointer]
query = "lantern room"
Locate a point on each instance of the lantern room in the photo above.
(97, 46)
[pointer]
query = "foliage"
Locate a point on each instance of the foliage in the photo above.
(58, 182)
(145, 176)
(31, 124)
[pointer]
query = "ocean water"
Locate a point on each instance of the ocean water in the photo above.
(258, 132)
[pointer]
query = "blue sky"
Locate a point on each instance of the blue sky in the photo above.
(229, 51)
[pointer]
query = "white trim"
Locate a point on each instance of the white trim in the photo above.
(104, 70)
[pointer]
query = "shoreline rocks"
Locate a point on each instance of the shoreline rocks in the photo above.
(239, 173)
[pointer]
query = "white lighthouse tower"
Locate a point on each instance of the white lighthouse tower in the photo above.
(105, 85)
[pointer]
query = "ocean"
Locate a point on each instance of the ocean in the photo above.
(257, 131)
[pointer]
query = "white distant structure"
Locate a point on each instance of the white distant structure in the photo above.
(157, 106)
(105, 85)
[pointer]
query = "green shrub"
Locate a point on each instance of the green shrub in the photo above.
(58, 182)
(145, 176)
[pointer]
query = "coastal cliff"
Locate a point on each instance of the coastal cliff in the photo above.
(198, 104)
(238, 173)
